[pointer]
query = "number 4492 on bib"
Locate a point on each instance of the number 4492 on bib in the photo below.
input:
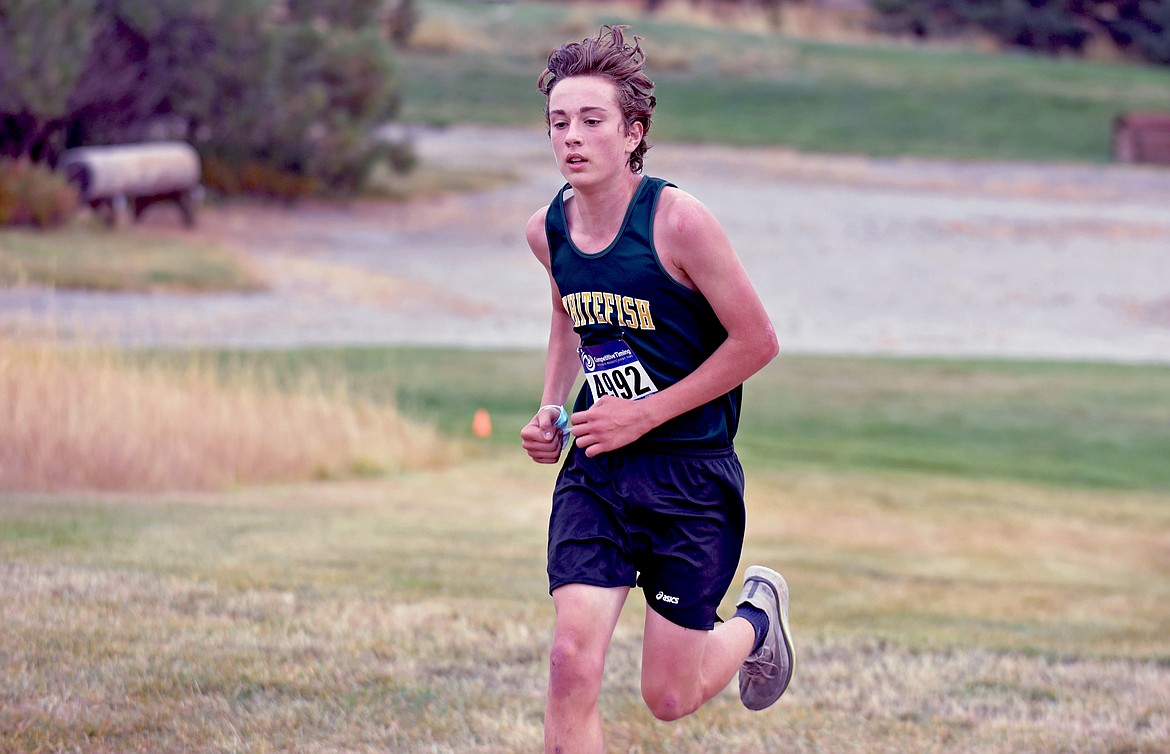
(614, 369)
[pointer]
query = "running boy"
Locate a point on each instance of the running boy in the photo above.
(648, 297)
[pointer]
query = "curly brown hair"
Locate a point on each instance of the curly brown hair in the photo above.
(610, 56)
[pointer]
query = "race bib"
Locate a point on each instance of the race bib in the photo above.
(614, 369)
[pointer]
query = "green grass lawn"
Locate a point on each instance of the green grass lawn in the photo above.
(91, 258)
(733, 87)
(1072, 424)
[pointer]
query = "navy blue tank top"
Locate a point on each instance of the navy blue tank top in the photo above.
(622, 293)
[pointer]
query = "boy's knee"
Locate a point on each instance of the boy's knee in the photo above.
(666, 704)
(573, 666)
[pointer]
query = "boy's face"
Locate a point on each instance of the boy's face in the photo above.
(589, 137)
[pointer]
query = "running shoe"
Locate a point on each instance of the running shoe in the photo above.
(766, 672)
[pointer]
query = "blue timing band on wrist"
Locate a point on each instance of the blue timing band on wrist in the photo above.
(562, 422)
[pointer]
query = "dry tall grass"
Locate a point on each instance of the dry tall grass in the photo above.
(90, 419)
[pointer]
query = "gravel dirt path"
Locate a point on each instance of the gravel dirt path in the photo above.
(851, 255)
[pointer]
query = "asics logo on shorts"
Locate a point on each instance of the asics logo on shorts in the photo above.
(663, 597)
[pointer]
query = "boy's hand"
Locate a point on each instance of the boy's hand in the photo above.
(611, 423)
(541, 437)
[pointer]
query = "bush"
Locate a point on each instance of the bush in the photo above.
(33, 195)
(1141, 27)
(324, 91)
(227, 176)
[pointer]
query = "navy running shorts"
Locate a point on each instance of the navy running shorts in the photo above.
(669, 522)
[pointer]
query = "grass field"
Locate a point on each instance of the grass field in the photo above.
(479, 62)
(971, 605)
(94, 258)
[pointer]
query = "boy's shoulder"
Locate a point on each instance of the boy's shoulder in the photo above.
(535, 234)
(680, 211)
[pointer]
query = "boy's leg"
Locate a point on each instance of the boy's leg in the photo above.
(586, 617)
(682, 667)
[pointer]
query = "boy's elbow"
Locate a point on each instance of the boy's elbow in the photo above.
(761, 350)
(769, 345)
(755, 350)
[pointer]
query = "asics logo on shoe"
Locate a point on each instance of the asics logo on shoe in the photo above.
(663, 597)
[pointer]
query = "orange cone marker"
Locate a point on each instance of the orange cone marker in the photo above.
(481, 424)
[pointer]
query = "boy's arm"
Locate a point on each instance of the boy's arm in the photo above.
(698, 253)
(540, 438)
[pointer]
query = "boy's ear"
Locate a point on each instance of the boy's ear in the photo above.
(634, 134)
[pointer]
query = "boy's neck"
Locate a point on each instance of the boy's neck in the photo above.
(601, 209)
